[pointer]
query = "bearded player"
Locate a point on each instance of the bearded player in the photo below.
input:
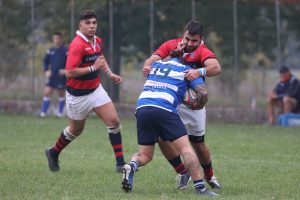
(204, 63)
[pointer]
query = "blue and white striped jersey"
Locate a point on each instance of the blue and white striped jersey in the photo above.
(165, 85)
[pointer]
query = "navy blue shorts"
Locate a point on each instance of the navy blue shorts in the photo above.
(154, 122)
(57, 82)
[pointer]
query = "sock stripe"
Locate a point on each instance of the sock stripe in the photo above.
(59, 145)
(199, 184)
(62, 141)
(57, 149)
(117, 146)
(119, 153)
(179, 166)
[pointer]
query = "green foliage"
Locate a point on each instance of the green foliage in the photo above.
(256, 21)
(252, 162)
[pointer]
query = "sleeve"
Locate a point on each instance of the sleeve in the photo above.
(192, 84)
(294, 87)
(165, 49)
(279, 90)
(47, 60)
(205, 54)
(75, 55)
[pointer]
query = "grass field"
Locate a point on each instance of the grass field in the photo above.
(252, 162)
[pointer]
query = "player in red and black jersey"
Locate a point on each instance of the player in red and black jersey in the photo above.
(205, 64)
(85, 92)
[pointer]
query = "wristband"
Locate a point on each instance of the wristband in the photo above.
(92, 68)
(108, 72)
(202, 72)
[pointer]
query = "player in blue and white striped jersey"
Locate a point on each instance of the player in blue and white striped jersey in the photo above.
(157, 117)
(165, 85)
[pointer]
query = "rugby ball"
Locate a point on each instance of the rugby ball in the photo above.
(191, 99)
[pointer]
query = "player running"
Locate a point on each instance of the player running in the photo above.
(85, 92)
(204, 63)
(157, 117)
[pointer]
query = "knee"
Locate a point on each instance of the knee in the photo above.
(75, 131)
(269, 100)
(144, 157)
(115, 129)
(286, 100)
(114, 121)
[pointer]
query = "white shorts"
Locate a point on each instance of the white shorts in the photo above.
(193, 120)
(79, 107)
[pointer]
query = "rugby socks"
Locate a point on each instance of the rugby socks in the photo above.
(64, 139)
(208, 171)
(116, 142)
(178, 165)
(45, 105)
(134, 165)
(61, 104)
(199, 185)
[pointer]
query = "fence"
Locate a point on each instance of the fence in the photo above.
(251, 39)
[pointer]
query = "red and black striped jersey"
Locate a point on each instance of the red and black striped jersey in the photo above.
(194, 59)
(82, 54)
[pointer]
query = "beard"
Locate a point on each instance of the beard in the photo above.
(190, 49)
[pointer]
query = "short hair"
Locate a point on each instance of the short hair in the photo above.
(284, 69)
(58, 33)
(194, 28)
(87, 14)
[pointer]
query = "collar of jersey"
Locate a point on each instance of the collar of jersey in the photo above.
(85, 39)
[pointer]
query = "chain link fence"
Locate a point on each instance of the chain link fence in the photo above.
(250, 38)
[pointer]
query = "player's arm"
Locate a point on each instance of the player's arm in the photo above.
(212, 67)
(102, 64)
(162, 52)
(202, 95)
(201, 91)
(147, 65)
(47, 63)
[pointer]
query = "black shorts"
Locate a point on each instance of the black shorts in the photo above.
(155, 122)
(57, 82)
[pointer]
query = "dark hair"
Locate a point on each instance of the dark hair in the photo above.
(284, 69)
(194, 28)
(87, 14)
(58, 33)
(177, 54)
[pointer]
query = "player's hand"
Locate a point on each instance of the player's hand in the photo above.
(116, 78)
(273, 95)
(180, 46)
(146, 70)
(48, 73)
(62, 72)
(191, 74)
(100, 62)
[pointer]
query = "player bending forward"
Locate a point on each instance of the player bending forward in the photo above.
(157, 117)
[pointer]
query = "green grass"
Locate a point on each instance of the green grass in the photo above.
(252, 162)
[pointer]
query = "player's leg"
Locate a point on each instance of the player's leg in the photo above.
(46, 101)
(72, 131)
(271, 109)
(61, 102)
(191, 161)
(147, 137)
(194, 121)
(78, 108)
(173, 156)
(272, 104)
(106, 111)
(143, 157)
(289, 104)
